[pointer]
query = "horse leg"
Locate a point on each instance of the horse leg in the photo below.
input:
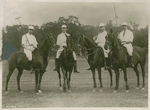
(36, 80)
(110, 73)
(40, 80)
(100, 79)
(117, 79)
(137, 74)
(68, 81)
(59, 76)
(20, 71)
(125, 78)
(143, 74)
(64, 76)
(11, 69)
(94, 81)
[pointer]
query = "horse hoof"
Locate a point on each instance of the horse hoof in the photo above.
(115, 91)
(6, 92)
(94, 90)
(39, 91)
(127, 91)
(69, 90)
(143, 88)
(21, 91)
(101, 90)
(137, 88)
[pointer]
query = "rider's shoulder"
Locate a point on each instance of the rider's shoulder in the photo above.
(67, 34)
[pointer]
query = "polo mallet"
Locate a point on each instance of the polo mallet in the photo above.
(23, 29)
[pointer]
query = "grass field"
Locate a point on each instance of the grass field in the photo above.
(81, 86)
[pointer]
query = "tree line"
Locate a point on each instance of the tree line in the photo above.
(12, 35)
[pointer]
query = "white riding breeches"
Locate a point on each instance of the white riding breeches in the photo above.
(105, 51)
(129, 49)
(28, 54)
(59, 53)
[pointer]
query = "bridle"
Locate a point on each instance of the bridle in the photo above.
(83, 47)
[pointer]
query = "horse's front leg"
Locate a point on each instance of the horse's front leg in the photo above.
(40, 80)
(110, 73)
(68, 81)
(117, 79)
(59, 76)
(94, 81)
(100, 79)
(125, 77)
(36, 80)
(64, 77)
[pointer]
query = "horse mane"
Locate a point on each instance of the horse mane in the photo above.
(90, 41)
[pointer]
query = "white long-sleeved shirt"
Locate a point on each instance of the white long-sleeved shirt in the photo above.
(101, 37)
(28, 40)
(128, 36)
(61, 39)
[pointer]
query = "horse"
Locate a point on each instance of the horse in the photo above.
(39, 62)
(95, 59)
(66, 63)
(120, 59)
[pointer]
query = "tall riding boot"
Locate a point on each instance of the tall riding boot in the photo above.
(131, 62)
(31, 67)
(55, 65)
(75, 67)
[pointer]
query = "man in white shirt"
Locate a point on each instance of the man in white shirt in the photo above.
(126, 37)
(61, 42)
(100, 41)
(29, 43)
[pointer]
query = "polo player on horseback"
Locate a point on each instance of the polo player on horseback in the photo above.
(100, 41)
(61, 42)
(126, 38)
(29, 43)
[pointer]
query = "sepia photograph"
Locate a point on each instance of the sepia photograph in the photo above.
(74, 54)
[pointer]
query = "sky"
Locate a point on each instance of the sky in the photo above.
(89, 13)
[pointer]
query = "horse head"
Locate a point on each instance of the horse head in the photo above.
(69, 44)
(81, 41)
(50, 39)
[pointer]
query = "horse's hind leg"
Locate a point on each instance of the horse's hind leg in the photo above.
(11, 69)
(110, 73)
(36, 80)
(20, 71)
(137, 74)
(143, 74)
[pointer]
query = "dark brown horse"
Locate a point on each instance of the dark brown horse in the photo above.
(66, 63)
(40, 61)
(95, 59)
(120, 59)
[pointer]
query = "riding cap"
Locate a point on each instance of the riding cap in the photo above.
(101, 24)
(31, 27)
(124, 24)
(63, 26)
